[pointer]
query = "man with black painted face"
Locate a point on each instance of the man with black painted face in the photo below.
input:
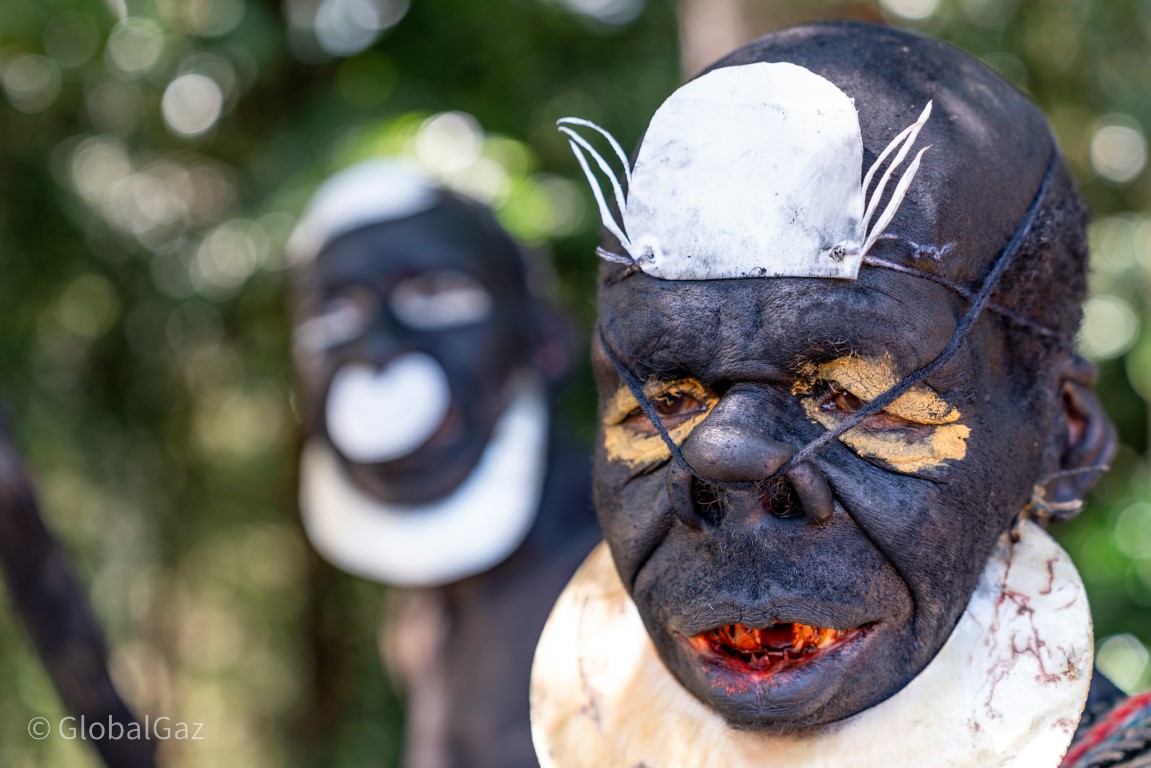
(432, 459)
(838, 390)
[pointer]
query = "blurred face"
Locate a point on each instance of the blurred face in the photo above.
(408, 332)
(802, 601)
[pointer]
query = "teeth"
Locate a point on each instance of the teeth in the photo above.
(803, 635)
(745, 639)
(826, 638)
(757, 646)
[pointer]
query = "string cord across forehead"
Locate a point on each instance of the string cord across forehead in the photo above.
(980, 301)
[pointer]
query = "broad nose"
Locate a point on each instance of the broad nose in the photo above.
(732, 464)
(383, 339)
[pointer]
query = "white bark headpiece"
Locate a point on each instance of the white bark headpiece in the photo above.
(371, 192)
(749, 171)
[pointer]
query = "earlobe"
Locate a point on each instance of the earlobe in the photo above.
(1083, 435)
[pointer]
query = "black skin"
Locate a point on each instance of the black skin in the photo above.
(478, 357)
(54, 608)
(863, 545)
(495, 617)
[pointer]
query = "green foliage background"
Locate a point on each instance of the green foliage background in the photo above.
(144, 346)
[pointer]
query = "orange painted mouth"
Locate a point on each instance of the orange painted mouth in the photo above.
(771, 648)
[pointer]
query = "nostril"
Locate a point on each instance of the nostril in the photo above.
(780, 499)
(681, 494)
(705, 498)
(815, 494)
(695, 501)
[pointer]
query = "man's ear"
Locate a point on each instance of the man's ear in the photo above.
(1083, 439)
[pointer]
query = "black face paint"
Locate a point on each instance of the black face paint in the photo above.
(432, 459)
(739, 384)
(443, 284)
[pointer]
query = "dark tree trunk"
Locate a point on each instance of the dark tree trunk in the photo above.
(54, 610)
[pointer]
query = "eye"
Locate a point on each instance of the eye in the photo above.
(343, 318)
(673, 406)
(837, 402)
(438, 300)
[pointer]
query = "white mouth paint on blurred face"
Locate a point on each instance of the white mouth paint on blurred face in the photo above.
(372, 415)
(476, 526)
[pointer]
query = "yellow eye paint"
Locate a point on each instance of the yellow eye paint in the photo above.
(867, 379)
(636, 449)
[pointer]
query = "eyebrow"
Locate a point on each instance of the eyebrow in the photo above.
(953, 380)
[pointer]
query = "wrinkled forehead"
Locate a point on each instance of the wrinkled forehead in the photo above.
(724, 331)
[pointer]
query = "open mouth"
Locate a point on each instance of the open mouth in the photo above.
(772, 648)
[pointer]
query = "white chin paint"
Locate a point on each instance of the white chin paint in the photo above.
(476, 527)
(1006, 690)
(379, 415)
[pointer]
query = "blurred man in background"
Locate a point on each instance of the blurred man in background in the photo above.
(432, 459)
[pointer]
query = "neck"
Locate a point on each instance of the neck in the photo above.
(1006, 689)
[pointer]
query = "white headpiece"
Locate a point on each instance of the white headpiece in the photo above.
(372, 191)
(749, 171)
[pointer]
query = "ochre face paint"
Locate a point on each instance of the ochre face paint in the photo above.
(628, 435)
(932, 434)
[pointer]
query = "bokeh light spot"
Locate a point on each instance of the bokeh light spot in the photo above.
(989, 14)
(227, 257)
(32, 82)
(484, 180)
(1123, 659)
(1133, 530)
(1109, 327)
(88, 307)
(97, 165)
(914, 10)
(448, 143)
(346, 27)
(614, 12)
(240, 424)
(1118, 149)
(134, 46)
(206, 18)
(71, 38)
(192, 104)
(215, 67)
